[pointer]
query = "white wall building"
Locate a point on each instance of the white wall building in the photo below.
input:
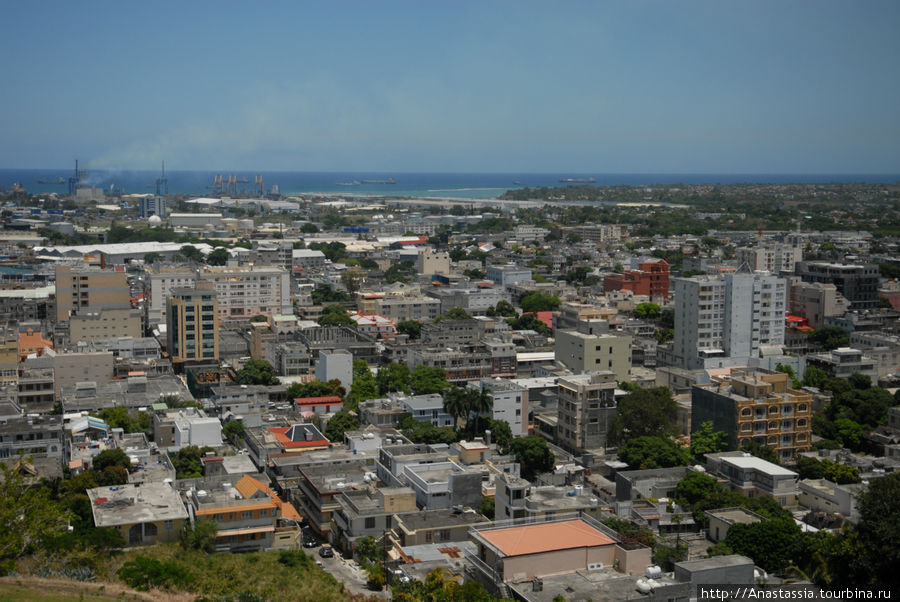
(725, 320)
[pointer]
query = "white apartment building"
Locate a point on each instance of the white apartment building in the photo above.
(243, 292)
(510, 402)
(775, 257)
(724, 320)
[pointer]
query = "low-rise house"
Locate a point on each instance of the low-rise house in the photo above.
(755, 477)
(368, 513)
(319, 487)
(144, 515)
(821, 495)
(434, 526)
(654, 483)
(722, 519)
(516, 498)
(246, 515)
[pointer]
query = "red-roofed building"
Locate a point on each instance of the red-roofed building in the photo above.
(651, 279)
(300, 437)
(546, 317)
(329, 404)
(524, 552)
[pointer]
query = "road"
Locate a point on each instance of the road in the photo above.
(346, 571)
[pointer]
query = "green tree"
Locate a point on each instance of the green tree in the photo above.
(768, 543)
(259, 318)
(339, 424)
(645, 412)
(111, 458)
(879, 531)
(187, 461)
(234, 431)
(144, 573)
(191, 253)
(533, 454)
(257, 372)
(814, 376)
(218, 256)
(647, 310)
(528, 322)
(368, 551)
(761, 451)
(352, 278)
(457, 313)
(425, 380)
(456, 403)
(830, 337)
(324, 293)
(707, 441)
(841, 474)
(501, 434)
(199, 536)
(810, 468)
(536, 301)
(505, 308)
(393, 377)
(309, 228)
(796, 384)
(28, 516)
(315, 388)
(653, 452)
(486, 507)
(849, 433)
(335, 315)
(363, 388)
(411, 328)
(695, 486)
(151, 258)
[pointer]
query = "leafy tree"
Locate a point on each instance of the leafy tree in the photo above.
(879, 530)
(111, 458)
(259, 318)
(796, 384)
(647, 310)
(830, 337)
(695, 486)
(339, 424)
(335, 315)
(707, 441)
(810, 468)
(761, 451)
(199, 536)
(309, 228)
(666, 556)
(398, 272)
(352, 278)
(767, 543)
(667, 318)
(151, 258)
(315, 388)
(645, 412)
(366, 550)
(486, 507)
(505, 308)
(653, 452)
(456, 403)
(425, 432)
(841, 474)
(257, 372)
(814, 376)
(187, 461)
(333, 251)
(191, 253)
(28, 516)
(425, 380)
(411, 328)
(218, 256)
(324, 293)
(536, 301)
(393, 377)
(456, 313)
(501, 434)
(533, 454)
(849, 433)
(528, 322)
(234, 431)
(364, 386)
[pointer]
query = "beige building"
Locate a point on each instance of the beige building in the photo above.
(754, 404)
(581, 352)
(145, 515)
(89, 290)
(720, 521)
(106, 323)
(192, 325)
(817, 301)
(430, 262)
(586, 404)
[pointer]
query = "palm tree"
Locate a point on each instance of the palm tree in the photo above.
(479, 402)
(455, 403)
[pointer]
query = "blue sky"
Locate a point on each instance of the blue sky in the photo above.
(595, 87)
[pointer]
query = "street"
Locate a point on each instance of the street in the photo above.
(345, 571)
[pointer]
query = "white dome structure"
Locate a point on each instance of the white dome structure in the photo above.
(154, 220)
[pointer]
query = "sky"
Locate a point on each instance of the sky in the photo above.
(636, 86)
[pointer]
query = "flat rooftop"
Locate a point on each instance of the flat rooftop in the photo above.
(754, 463)
(440, 519)
(735, 515)
(545, 537)
(130, 504)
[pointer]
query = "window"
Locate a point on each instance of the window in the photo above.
(246, 514)
(370, 522)
(169, 525)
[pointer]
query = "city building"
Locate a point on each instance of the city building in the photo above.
(430, 262)
(726, 320)
(335, 365)
(581, 352)
(192, 326)
(721, 520)
(756, 405)
(144, 515)
(368, 513)
(770, 256)
(174, 429)
(245, 514)
(844, 362)
(150, 204)
(508, 274)
(510, 402)
(817, 302)
(111, 322)
(651, 279)
(754, 477)
(586, 403)
(89, 290)
(858, 283)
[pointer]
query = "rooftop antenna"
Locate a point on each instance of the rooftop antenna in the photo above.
(162, 182)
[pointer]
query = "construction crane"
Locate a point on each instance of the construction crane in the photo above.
(162, 182)
(218, 186)
(232, 184)
(258, 188)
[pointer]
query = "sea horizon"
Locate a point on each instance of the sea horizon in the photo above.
(474, 185)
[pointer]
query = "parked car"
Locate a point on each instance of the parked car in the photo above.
(310, 542)
(326, 552)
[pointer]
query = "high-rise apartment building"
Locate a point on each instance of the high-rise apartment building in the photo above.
(771, 256)
(152, 205)
(192, 326)
(858, 283)
(93, 290)
(586, 405)
(756, 405)
(725, 320)
(584, 352)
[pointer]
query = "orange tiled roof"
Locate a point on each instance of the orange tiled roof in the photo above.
(280, 436)
(545, 537)
(247, 486)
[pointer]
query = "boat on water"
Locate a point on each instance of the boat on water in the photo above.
(577, 180)
(388, 181)
(353, 183)
(58, 181)
(517, 183)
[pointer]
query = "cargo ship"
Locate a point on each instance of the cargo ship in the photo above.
(388, 181)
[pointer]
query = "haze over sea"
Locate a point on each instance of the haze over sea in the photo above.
(434, 185)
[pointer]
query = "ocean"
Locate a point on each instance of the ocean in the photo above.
(436, 185)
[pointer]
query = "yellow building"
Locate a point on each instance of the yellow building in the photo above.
(89, 290)
(145, 515)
